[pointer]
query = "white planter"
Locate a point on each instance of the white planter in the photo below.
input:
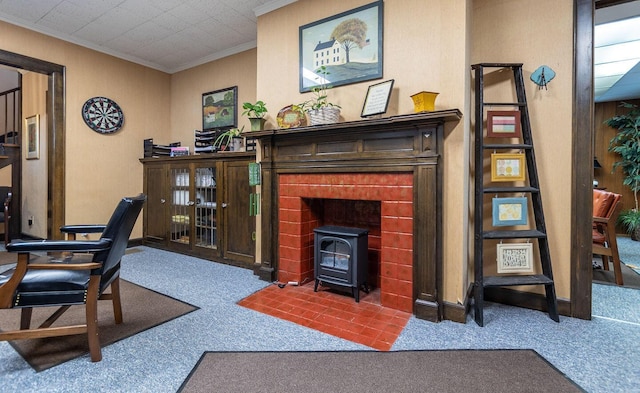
(326, 115)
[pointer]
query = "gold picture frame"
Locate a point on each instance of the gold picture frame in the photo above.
(32, 137)
(507, 167)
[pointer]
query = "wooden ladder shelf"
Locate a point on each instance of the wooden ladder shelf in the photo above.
(531, 189)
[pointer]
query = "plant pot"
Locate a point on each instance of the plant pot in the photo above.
(424, 101)
(325, 115)
(635, 234)
(237, 143)
(257, 123)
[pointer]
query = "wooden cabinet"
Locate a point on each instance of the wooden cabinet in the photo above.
(199, 205)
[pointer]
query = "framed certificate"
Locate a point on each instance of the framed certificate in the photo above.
(377, 99)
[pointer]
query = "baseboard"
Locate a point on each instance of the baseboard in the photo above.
(534, 301)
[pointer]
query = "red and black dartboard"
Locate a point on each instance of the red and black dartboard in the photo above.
(102, 115)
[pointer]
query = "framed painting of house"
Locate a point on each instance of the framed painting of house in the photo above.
(348, 44)
(220, 109)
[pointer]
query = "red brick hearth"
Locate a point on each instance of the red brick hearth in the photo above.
(380, 202)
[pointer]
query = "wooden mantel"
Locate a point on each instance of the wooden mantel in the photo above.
(408, 144)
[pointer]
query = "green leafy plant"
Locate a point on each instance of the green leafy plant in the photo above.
(256, 111)
(225, 138)
(320, 99)
(630, 221)
(626, 143)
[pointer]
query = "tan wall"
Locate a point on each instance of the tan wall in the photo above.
(100, 169)
(516, 31)
(34, 171)
(427, 45)
(424, 49)
(188, 86)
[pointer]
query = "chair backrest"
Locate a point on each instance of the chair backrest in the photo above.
(604, 203)
(118, 230)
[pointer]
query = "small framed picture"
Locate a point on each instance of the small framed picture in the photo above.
(377, 99)
(509, 211)
(515, 257)
(220, 109)
(32, 137)
(507, 167)
(503, 124)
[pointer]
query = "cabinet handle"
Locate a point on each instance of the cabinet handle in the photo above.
(224, 205)
(191, 203)
(162, 200)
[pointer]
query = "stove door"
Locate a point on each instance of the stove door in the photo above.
(333, 260)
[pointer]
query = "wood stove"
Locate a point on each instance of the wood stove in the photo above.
(341, 258)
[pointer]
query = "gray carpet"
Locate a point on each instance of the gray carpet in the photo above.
(629, 256)
(368, 371)
(601, 355)
(142, 309)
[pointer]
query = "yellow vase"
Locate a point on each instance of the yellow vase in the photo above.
(424, 101)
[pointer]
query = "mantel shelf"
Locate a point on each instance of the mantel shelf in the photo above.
(435, 116)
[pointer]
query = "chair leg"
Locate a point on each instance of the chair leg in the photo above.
(92, 319)
(615, 258)
(117, 305)
(25, 318)
(605, 262)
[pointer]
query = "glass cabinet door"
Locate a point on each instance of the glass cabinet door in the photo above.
(206, 229)
(181, 202)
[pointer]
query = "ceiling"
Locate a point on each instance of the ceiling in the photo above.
(167, 35)
(617, 52)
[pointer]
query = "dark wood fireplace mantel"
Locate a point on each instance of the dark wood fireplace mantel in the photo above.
(407, 144)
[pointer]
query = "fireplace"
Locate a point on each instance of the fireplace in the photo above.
(340, 258)
(388, 166)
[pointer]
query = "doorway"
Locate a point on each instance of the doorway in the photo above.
(55, 154)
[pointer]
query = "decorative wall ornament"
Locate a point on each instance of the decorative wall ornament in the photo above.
(543, 75)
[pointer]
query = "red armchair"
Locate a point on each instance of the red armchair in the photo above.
(606, 208)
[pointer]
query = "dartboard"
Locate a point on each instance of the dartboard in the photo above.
(102, 115)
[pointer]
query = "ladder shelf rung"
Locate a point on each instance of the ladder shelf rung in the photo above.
(501, 281)
(492, 146)
(491, 190)
(514, 234)
(520, 104)
(496, 65)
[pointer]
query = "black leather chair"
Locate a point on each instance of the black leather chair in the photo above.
(5, 213)
(80, 278)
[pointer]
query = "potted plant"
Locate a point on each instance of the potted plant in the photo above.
(226, 141)
(626, 143)
(319, 109)
(255, 113)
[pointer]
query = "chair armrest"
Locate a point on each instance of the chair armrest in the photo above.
(59, 245)
(65, 266)
(82, 228)
(601, 220)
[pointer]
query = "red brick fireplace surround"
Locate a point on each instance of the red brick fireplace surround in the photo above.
(390, 243)
(383, 175)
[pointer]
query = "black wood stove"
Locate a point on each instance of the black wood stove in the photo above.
(341, 258)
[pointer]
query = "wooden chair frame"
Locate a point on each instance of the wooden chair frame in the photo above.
(609, 250)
